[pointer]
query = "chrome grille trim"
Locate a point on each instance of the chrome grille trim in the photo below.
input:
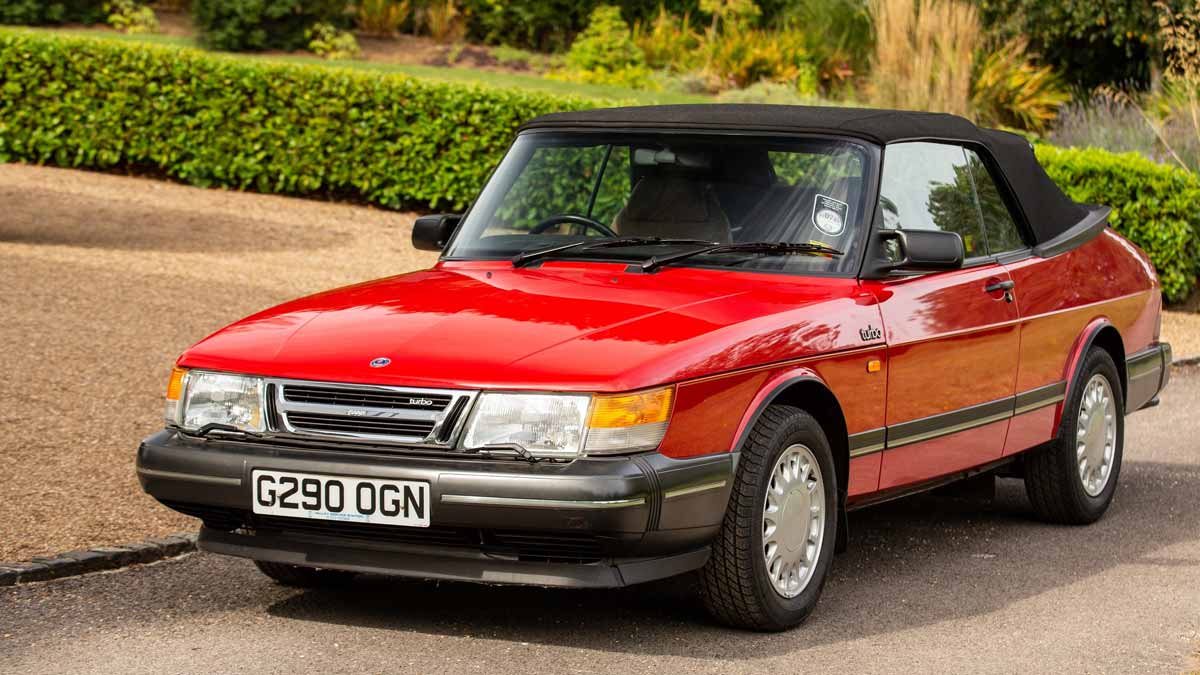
(341, 396)
(391, 422)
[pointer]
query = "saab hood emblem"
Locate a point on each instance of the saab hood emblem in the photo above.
(380, 362)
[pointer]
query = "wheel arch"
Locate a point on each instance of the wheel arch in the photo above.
(1099, 333)
(807, 391)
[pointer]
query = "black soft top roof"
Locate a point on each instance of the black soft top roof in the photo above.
(1049, 212)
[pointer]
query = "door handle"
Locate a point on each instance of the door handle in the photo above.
(1000, 286)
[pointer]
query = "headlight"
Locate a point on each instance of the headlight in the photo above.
(204, 398)
(547, 425)
(563, 426)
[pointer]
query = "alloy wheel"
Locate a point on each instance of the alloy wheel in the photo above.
(793, 521)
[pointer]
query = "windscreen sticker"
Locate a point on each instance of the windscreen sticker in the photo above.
(829, 215)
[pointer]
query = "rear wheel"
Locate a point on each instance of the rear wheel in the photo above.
(303, 577)
(772, 555)
(1072, 479)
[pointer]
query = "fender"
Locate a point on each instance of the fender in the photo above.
(1075, 363)
(767, 394)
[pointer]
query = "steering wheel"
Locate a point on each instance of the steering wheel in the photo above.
(574, 220)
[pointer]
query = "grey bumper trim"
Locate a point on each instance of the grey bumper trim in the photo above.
(193, 477)
(693, 489)
(481, 500)
(1148, 372)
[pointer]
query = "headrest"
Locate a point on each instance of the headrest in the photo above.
(668, 198)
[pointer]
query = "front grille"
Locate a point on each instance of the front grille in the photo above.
(414, 536)
(553, 547)
(382, 426)
(377, 414)
(366, 398)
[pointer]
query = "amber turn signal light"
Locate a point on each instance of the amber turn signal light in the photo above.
(627, 410)
(175, 386)
(874, 366)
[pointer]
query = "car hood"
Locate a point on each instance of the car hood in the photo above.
(561, 326)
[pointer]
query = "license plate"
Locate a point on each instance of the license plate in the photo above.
(358, 500)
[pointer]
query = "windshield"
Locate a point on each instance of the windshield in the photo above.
(555, 189)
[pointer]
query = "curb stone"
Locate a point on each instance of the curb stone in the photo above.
(100, 558)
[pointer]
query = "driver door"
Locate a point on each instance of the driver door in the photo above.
(953, 337)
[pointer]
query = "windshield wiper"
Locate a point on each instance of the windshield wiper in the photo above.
(773, 248)
(526, 257)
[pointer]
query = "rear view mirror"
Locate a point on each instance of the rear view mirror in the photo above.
(432, 233)
(913, 251)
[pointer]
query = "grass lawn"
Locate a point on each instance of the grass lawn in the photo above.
(484, 78)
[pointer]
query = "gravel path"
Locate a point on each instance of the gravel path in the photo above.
(105, 280)
(929, 585)
(1182, 330)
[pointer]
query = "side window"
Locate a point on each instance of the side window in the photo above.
(1001, 230)
(927, 186)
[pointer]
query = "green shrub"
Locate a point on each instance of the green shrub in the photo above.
(1010, 90)
(40, 12)
(132, 17)
(382, 18)
(215, 120)
(329, 42)
(669, 41)
(739, 56)
(605, 53)
(253, 25)
(549, 25)
(1153, 205)
(605, 43)
(1089, 43)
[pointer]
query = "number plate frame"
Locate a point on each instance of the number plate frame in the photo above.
(365, 501)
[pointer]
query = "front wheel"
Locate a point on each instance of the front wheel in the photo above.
(772, 555)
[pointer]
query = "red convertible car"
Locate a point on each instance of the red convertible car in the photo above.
(678, 338)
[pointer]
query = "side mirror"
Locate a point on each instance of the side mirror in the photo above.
(432, 233)
(913, 251)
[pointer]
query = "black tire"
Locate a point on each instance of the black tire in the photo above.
(303, 577)
(1052, 478)
(734, 583)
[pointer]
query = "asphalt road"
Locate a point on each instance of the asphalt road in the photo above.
(930, 584)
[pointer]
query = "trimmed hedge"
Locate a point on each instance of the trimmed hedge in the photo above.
(1154, 205)
(216, 120)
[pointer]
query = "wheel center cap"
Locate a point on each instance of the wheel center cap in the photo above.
(795, 514)
(1096, 436)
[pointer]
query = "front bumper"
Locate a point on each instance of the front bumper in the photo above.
(598, 522)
